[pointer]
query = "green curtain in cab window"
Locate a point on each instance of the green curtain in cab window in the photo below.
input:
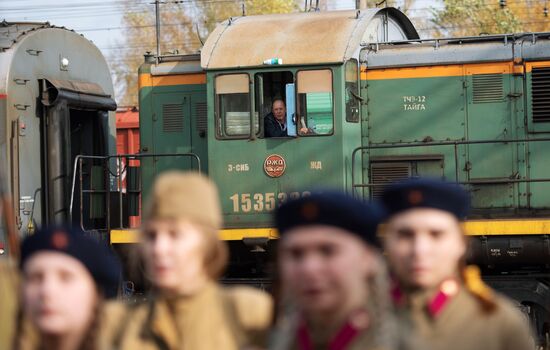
(319, 112)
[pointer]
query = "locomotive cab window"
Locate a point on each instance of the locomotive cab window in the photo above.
(315, 103)
(233, 105)
(274, 102)
(352, 91)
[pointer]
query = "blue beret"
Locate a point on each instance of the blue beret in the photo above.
(96, 256)
(333, 209)
(426, 193)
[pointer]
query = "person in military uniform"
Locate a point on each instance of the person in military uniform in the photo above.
(184, 257)
(9, 301)
(333, 289)
(65, 277)
(447, 303)
(9, 279)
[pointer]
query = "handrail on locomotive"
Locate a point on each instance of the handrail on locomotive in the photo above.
(118, 175)
(527, 179)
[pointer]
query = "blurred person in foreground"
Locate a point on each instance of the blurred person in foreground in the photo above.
(184, 257)
(9, 301)
(65, 278)
(333, 291)
(447, 302)
(9, 277)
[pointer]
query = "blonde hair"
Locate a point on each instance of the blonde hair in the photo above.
(217, 253)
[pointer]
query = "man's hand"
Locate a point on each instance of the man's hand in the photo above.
(303, 131)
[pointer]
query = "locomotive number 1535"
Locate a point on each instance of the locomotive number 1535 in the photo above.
(260, 202)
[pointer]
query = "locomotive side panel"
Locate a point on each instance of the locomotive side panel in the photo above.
(468, 119)
(537, 76)
(172, 118)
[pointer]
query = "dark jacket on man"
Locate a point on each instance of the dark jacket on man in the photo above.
(272, 128)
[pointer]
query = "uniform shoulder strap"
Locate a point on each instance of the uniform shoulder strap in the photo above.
(482, 292)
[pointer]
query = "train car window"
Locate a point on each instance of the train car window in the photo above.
(315, 103)
(352, 91)
(271, 86)
(233, 105)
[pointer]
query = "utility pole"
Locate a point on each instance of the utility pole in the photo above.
(157, 25)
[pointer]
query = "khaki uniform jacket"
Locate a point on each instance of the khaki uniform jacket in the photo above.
(9, 303)
(463, 324)
(383, 332)
(364, 341)
(216, 318)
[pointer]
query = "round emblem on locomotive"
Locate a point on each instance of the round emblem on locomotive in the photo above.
(274, 165)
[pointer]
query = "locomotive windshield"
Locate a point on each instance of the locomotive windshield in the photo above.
(286, 104)
(315, 103)
(233, 105)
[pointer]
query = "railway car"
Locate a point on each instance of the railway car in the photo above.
(127, 139)
(199, 110)
(56, 102)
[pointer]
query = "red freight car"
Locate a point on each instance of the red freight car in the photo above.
(127, 142)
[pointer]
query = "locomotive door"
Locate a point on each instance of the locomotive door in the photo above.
(489, 116)
(172, 130)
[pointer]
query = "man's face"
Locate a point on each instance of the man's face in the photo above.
(279, 111)
(424, 246)
(322, 267)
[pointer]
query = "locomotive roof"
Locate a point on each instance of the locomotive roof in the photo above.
(10, 32)
(488, 48)
(298, 38)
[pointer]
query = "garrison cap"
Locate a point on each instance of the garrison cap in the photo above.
(426, 193)
(184, 195)
(96, 256)
(331, 208)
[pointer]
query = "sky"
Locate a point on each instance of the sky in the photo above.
(98, 20)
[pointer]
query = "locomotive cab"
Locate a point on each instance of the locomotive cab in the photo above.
(309, 61)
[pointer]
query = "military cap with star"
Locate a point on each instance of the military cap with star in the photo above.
(331, 208)
(426, 193)
(96, 256)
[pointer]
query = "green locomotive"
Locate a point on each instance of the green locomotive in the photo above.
(378, 104)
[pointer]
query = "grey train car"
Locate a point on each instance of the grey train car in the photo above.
(56, 102)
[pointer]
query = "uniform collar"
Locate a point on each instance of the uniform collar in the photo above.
(356, 323)
(165, 311)
(433, 301)
(182, 304)
(161, 323)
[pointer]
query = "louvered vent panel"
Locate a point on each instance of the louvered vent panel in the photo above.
(386, 173)
(488, 88)
(540, 90)
(172, 117)
(200, 114)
